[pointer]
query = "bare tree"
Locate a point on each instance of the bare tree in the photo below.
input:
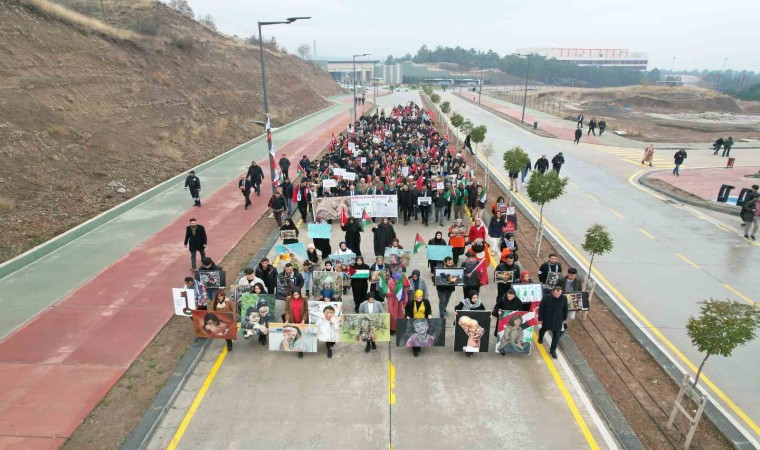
(208, 20)
(304, 50)
(182, 7)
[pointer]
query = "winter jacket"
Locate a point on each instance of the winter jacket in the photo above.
(384, 235)
(496, 227)
(552, 312)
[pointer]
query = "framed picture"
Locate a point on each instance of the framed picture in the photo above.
(292, 337)
(449, 276)
(471, 332)
(504, 277)
(288, 234)
(420, 333)
(214, 324)
(285, 286)
(577, 301)
(211, 279)
(552, 278)
(459, 231)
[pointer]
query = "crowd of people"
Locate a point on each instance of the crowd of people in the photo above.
(400, 153)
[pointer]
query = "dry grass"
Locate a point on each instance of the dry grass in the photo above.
(169, 151)
(6, 204)
(80, 21)
(221, 127)
(160, 78)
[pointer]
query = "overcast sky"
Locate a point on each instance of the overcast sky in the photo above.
(699, 34)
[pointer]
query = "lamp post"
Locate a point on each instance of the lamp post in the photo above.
(525, 94)
(480, 90)
(720, 76)
(289, 20)
(672, 62)
(354, 76)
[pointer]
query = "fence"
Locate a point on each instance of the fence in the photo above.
(532, 101)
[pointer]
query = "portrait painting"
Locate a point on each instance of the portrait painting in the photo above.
(214, 324)
(212, 279)
(361, 328)
(513, 334)
(294, 338)
(256, 312)
(285, 286)
(471, 331)
(327, 317)
(327, 286)
(420, 333)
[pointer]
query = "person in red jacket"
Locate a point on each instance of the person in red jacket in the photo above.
(477, 231)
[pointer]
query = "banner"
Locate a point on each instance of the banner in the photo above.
(319, 231)
(438, 252)
(375, 205)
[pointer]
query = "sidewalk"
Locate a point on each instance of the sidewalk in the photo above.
(706, 183)
(59, 365)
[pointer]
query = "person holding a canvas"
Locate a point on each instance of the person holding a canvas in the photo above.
(419, 308)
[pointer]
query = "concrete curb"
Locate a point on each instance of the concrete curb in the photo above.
(726, 209)
(537, 132)
(80, 230)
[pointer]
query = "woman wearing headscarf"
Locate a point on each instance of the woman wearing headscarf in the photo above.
(222, 303)
(353, 231)
(359, 286)
(470, 303)
(288, 224)
(418, 283)
(312, 261)
(437, 240)
(649, 154)
(384, 235)
(496, 230)
(508, 246)
(419, 308)
(509, 302)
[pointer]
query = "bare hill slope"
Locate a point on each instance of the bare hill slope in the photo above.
(83, 106)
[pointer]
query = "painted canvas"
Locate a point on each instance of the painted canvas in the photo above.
(184, 301)
(288, 234)
(330, 207)
(449, 276)
(327, 317)
(552, 278)
(397, 255)
(513, 334)
(212, 279)
(327, 286)
(285, 286)
(295, 338)
(459, 231)
(257, 311)
(319, 231)
(360, 328)
(471, 331)
(298, 249)
(503, 277)
(214, 324)
(529, 292)
(420, 333)
(347, 259)
(577, 301)
(374, 276)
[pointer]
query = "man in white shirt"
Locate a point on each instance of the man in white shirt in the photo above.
(250, 279)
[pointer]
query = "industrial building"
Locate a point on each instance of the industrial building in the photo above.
(601, 57)
(341, 70)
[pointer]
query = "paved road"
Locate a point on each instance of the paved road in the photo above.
(667, 256)
(260, 400)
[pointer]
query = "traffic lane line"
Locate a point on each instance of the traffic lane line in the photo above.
(566, 395)
(688, 261)
(197, 401)
(740, 295)
(615, 213)
(647, 324)
(593, 199)
(646, 233)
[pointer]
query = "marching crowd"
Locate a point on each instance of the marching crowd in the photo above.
(396, 153)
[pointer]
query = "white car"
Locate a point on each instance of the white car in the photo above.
(402, 89)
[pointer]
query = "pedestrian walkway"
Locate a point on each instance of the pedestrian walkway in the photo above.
(258, 399)
(705, 183)
(98, 301)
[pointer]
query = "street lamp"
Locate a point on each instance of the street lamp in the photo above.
(289, 20)
(672, 62)
(480, 90)
(354, 76)
(525, 95)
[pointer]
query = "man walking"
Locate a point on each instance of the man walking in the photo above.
(602, 126)
(542, 164)
(557, 162)
(193, 183)
(750, 214)
(679, 158)
(578, 134)
(284, 164)
(256, 175)
(552, 313)
(727, 144)
(580, 122)
(591, 126)
(277, 203)
(195, 241)
(244, 184)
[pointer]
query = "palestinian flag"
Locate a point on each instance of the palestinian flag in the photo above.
(418, 243)
(343, 217)
(402, 287)
(383, 285)
(366, 219)
(483, 198)
(326, 174)
(447, 194)
(300, 172)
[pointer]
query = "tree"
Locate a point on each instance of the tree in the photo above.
(435, 98)
(182, 7)
(515, 159)
(597, 242)
(721, 327)
(478, 134)
(208, 20)
(304, 50)
(445, 107)
(487, 151)
(466, 127)
(542, 189)
(456, 121)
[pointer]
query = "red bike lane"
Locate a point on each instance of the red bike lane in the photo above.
(57, 367)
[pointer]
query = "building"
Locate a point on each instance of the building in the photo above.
(599, 57)
(341, 70)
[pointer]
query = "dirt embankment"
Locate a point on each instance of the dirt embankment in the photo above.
(82, 109)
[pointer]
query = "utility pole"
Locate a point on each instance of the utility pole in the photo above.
(480, 91)
(525, 94)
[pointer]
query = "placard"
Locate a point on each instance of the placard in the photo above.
(346, 258)
(288, 234)
(458, 231)
(529, 292)
(352, 147)
(329, 183)
(577, 301)
(349, 176)
(212, 279)
(405, 171)
(439, 185)
(319, 231)
(439, 252)
(184, 301)
(375, 205)
(435, 169)
(363, 160)
(424, 201)
(449, 276)
(502, 207)
(504, 277)
(552, 278)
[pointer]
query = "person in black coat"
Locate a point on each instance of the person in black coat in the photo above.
(268, 273)
(552, 313)
(406, 201)
(359, 286)
(245, 188)
(510, 302)
(353, 235)
(284, 164)
(256, 175)
(195, 240)
(508, 266)
(193, 183)
(552, 265)
(384, 236)
(557, 162)
(578, 135)
(542, 164)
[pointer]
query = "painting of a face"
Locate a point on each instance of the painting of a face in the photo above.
(329, 313)
(421, 327)
(289, 334)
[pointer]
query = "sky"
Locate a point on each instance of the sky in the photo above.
(699, 34)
